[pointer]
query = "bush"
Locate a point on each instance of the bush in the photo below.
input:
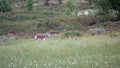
(29, 5)
(106, 5)
(5, 5)
(70, 7)
(72, 34)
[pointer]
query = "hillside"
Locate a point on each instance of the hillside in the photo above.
(46, 18)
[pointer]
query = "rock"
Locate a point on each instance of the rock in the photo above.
(95, 31)
(3, 38)
(7, 38)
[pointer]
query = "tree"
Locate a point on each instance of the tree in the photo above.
(115, 4)
(102, 5)
(30, 5)
(5, 5)
(106, 5)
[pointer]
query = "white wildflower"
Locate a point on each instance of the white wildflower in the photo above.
(96, 64)
(10, 64)
(60, 67)
(30, 63)
(44, 65)
(55, 66)
(20, 61)
(67, 67)
(105, 62)
(36, 65)
(25, 67)
(35, 61)
(73, 63)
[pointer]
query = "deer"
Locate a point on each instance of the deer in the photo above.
(42, 36)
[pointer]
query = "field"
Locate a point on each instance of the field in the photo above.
(98, 51)
(98, 48)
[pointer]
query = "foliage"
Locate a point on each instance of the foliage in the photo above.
(106, 5)
(116, 5)
(17, 17)
(5, 5)
(72, 34)
(70, 7)
(102, 5)
(29, 5)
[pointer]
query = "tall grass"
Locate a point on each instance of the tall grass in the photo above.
(85, 52)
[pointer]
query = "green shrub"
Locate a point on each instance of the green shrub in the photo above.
(70, 7)
(106, 5)
(29, 5)
(106, 23)
(72, 34)
(18, 17)
(5, 5)
(107, 17)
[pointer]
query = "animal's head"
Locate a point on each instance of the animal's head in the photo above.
(48, 34)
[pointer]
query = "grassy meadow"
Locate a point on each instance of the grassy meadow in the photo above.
(87, 51)
(98, 51)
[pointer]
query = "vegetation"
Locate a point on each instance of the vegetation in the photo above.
(5, 5)
(29, 5)
(70, 7)
(89, 52)
(71, 34)
(106, 5)
(85, 41)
